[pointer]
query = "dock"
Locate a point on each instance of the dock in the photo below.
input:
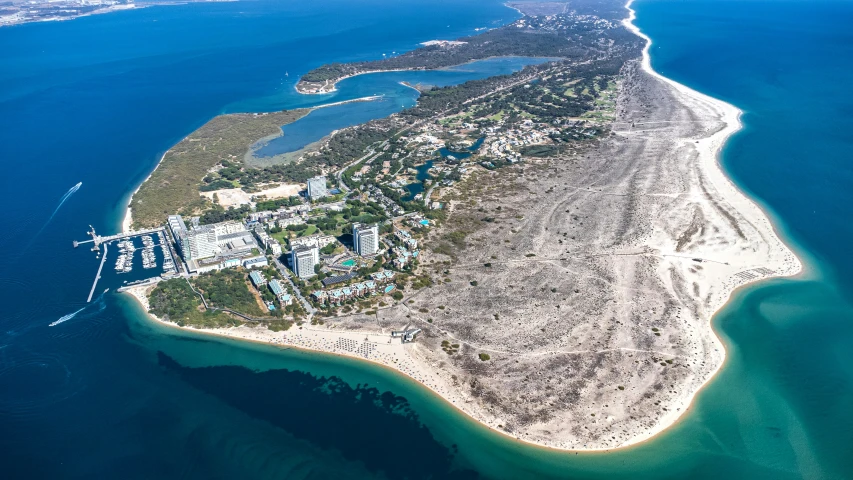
(97, 240)
(98, 275)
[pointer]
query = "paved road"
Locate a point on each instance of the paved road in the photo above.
(343, 186)
(286, 274)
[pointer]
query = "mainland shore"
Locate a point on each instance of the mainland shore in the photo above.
(760, 254)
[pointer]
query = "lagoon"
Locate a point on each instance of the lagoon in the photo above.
(393, 97)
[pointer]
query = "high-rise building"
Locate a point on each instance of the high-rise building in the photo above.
(365, 239)
(204, 241)
(177, 226)
(317, 188)
(303, 259)
(199, 243)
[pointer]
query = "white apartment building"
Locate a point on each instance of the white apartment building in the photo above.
(317, 187)
(303, 259)
(199, 243)
(365, 239)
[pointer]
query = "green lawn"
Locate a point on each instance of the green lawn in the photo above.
(311, 230)
(281, 236)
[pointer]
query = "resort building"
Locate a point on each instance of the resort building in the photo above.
(318, 240)
(215, 246)
(340, 295)
(317, 188)
(255, 262)
(303, 259)
(257, 279)
(199, 243)
(383, 276)
(280, 292)
(267, 241)
(177, 226)
(286, 221)
(365, 239)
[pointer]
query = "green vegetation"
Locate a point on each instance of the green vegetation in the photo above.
(279, 325)
(484, 356)
(174, 185)
(174, 300)
(218, 214)
(278, 203)
(539, 150)
(228, 289)
(449, 348)
(560, 36)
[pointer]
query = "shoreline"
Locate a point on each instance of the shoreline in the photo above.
(713, 168)
(325, 89)
(244, 334)
(127, 221)
(710, 149)
(371, 98)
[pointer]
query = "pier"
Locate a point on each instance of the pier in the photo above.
(97, 240)
(97, 275)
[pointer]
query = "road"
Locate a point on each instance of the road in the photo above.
(339, 173)
(286, 274)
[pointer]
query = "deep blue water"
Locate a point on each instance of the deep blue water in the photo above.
(108, 395)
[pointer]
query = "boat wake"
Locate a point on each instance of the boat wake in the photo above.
(61, 202)
(65, 318)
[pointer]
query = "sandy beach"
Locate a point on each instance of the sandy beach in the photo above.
(378, 347)
(718, 279)
(750, 251)
(127, 222)
(329, 87)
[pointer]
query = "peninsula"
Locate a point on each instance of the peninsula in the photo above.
(18, 12)
(544, 250)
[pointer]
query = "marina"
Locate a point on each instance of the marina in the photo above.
(124, 263)
(154, 242)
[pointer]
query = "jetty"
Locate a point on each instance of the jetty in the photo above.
(98, 275)
(97, 240)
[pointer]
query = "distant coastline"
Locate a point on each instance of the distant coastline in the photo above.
(306, 88)
(22, 17)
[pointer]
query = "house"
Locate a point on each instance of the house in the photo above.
(258, 279)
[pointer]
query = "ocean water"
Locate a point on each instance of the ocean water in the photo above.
(107, 394)
(394, 96)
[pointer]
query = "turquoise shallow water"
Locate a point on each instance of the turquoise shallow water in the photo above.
(109, 395)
